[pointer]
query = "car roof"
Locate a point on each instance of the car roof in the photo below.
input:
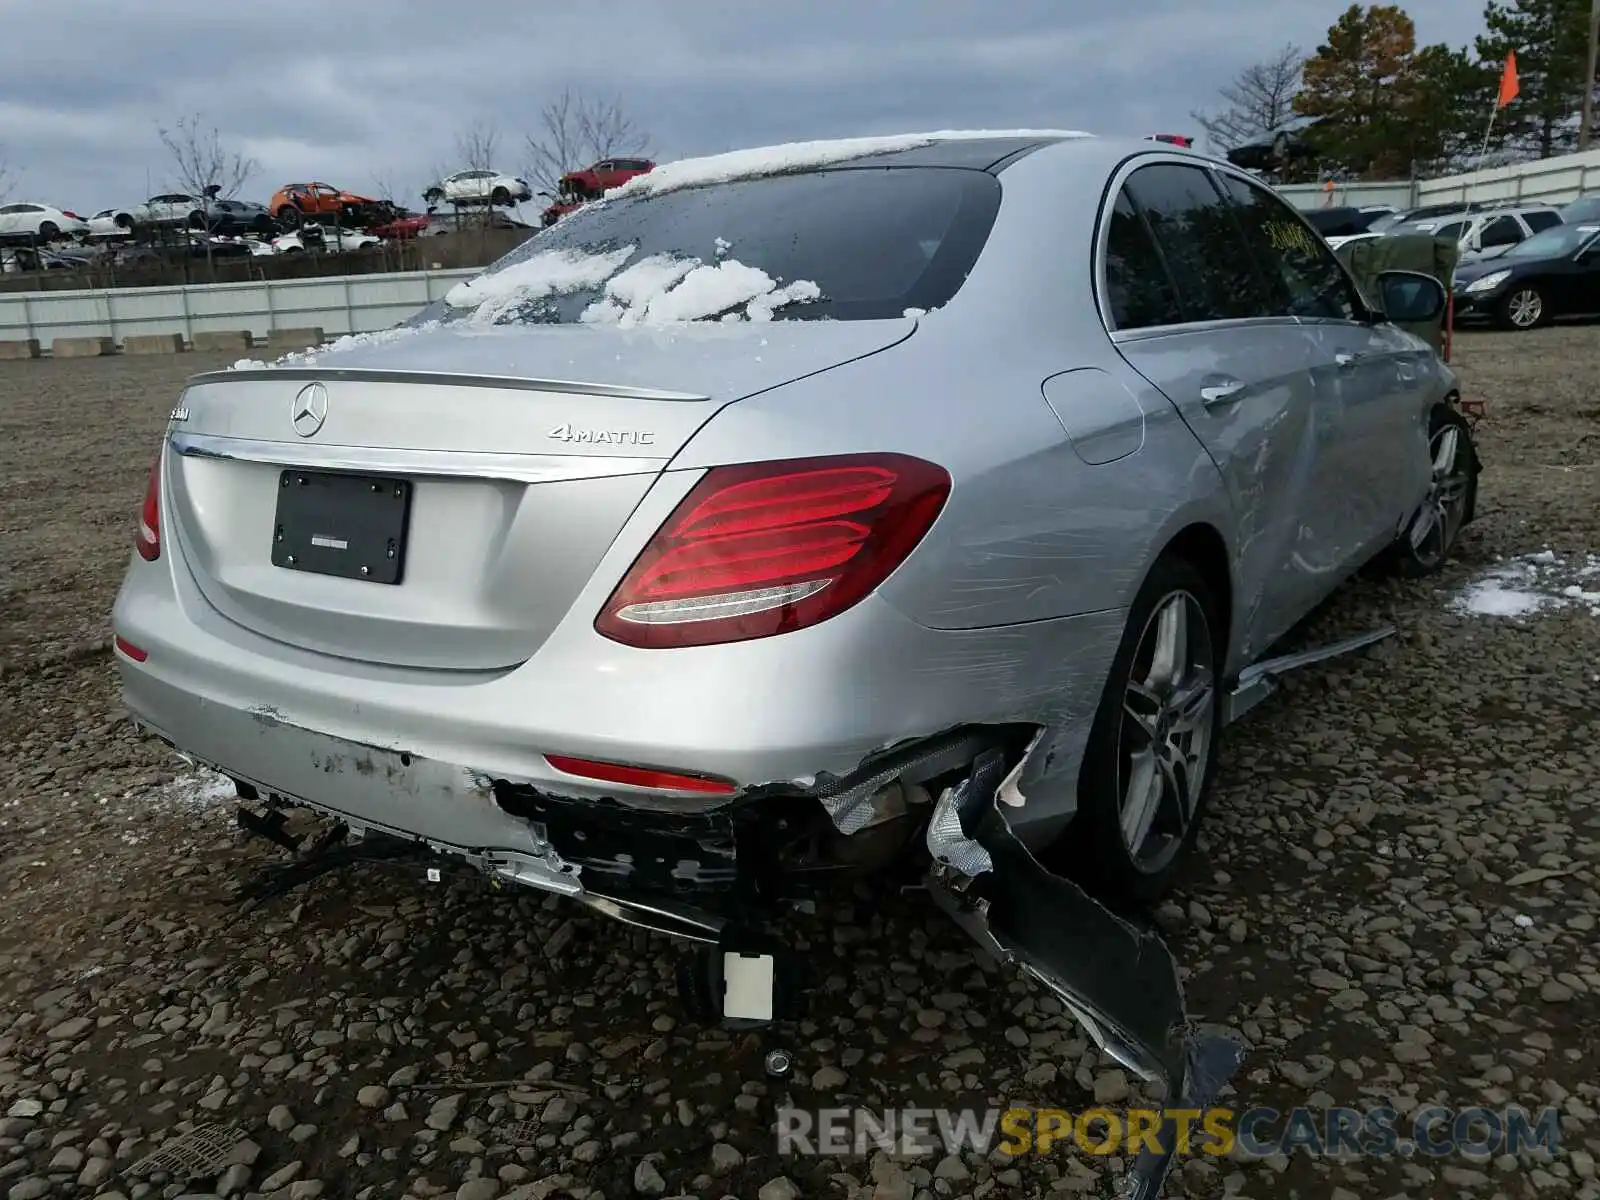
(995, 154)
(978, 154)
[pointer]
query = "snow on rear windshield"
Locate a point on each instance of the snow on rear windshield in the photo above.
(549, 273)
(853, 243)
(663, 290)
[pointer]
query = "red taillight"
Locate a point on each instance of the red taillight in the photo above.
(638, 776)
(148, 540)
(67, 212)
(767, 548)
(134, 652)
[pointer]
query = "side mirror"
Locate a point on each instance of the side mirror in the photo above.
(1408, 296)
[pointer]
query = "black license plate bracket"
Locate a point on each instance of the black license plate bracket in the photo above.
(348, 526)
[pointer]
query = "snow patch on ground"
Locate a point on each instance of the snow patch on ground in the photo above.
(664, 290)
(1531, 584)
(199, 790)
(548, 273)
(349, 341)
(199, 793)
(802, 156)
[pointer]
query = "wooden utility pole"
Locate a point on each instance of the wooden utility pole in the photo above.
(1586, 126)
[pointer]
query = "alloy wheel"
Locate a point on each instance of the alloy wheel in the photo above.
(1168, 726)
(1525, 308)
(1438, 521)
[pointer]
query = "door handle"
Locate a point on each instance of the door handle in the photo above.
(1220, 393)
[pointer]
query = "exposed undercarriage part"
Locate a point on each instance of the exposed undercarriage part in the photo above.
(720, 876)
(1112, 972)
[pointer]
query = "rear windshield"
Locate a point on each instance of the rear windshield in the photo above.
(850, 244)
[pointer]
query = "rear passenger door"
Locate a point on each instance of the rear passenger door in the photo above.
(1189, 311)
(1370, 467)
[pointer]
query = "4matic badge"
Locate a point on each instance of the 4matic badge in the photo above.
(567, 432)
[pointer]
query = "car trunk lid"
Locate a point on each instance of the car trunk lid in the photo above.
(491, 472)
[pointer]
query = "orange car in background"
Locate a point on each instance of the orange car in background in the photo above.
(293, 202)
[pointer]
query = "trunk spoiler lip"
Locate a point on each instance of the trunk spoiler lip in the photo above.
(443, 379)
(507, 467)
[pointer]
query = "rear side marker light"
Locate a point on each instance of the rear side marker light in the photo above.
(765, 548)
(148, 539)
(128, 648)
(639, 776)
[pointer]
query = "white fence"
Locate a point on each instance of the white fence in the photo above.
(339, 304)
(1548, 181)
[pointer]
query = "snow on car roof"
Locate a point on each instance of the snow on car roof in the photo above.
(803, 156)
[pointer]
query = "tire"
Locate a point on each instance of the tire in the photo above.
(48, 231)
(197, 220)
(289, 217)
(433, 195)
(1522, 308)
(1451, 502)
(1094, 847)
(500, 198)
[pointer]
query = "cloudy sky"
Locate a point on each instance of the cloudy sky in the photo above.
(311, 89)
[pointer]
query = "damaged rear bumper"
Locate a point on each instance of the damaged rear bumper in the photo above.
(702, 873)
(684, 866)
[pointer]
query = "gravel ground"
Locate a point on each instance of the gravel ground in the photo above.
(1395, 903)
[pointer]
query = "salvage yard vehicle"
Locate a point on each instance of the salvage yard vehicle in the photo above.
(1554, 273)
(479, 187)
(39, 223)
(294, 202)
(597, 178)
(708, 549)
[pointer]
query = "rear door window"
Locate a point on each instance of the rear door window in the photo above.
(1541, 220)
(1502, 231)
(1195, 229)
(1304, 277)
(1139, 292)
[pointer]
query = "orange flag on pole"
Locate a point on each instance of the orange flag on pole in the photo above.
(1508, 81)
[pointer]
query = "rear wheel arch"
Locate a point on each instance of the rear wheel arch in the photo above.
(1203, 547)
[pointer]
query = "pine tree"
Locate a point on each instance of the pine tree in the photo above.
(1360, 85)
(1551, 42)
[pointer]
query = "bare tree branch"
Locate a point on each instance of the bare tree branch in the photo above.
(8, 178)
(201, 163)
(1259, 100)
(577, 129)
(205, 169)
(476, 147)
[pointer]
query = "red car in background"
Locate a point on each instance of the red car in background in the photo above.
(558, 210)
(602, 176)
(401, 226)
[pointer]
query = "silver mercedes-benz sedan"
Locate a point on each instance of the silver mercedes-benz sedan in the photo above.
(802, 512)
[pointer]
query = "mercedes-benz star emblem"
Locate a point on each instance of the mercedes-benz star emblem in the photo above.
(310, 409)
